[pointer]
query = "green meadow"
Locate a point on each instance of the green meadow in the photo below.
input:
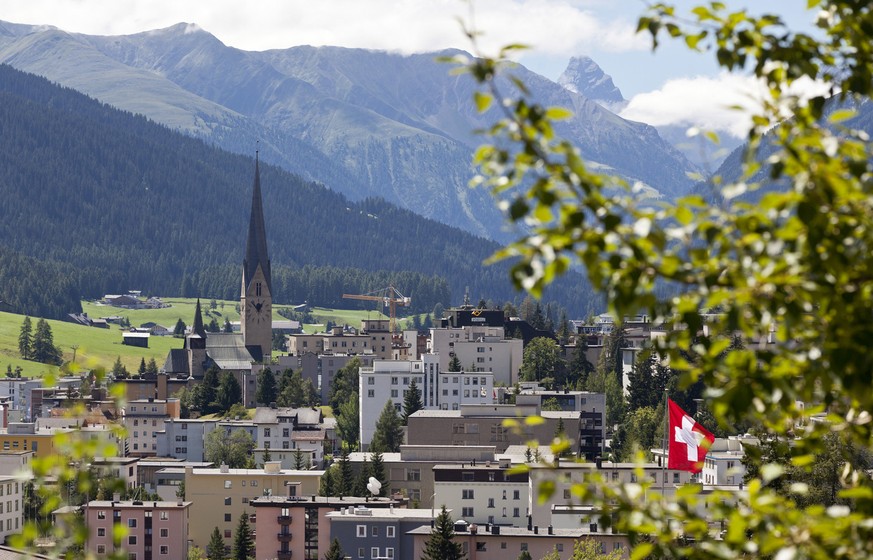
(95, 347)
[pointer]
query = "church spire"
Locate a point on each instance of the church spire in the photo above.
(256, 245)
(198, 328)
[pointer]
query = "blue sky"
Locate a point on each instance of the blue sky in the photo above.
(660, 85)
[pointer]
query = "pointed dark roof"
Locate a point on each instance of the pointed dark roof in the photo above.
(256, 245)
(198, 328)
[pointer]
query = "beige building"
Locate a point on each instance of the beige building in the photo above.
(143, 419)
(11, 505)
(152, 530)
(220, 496)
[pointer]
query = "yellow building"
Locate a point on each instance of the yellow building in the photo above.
(220, 496)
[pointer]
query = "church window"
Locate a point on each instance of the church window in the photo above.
(258, 289)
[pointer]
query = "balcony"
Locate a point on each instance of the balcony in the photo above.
(284, 519)
(284, 537)
(283, 555)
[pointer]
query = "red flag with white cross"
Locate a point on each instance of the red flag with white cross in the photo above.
(688, 441)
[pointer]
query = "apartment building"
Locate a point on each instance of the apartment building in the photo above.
(289, 527)
(479, 349)
(144, 419)
(221, 495)
(365, 533)
(11, 505)
(152, 530)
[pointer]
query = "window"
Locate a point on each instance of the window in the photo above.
(374, 552)
(676, 478)
(523, 546)
(566, 493)
(559, 547)
(101, 515)
(467, 494)
(389, 553)
(227, 533)
(165, 549)
(480, 546)
(227, 500)
(503, 545)
(515, 512)
(371, 393)
(361, 552)
(254, 483)
(515, 494)
(131, 540)
(413, 474)
(165, 533)
(131, 522)
(362, 531)
(394, 393)
(389, 532)
(227, 517)
(101, 549)
(374, 531)
(467, 512)
(491, 502)
(371, 381)
(504, 512)
(101, 531)
(131, 556)
(228, 484)
(394, 381)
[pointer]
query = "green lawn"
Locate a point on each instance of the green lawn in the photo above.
(100, 347)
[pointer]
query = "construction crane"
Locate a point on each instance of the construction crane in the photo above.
(390, 298)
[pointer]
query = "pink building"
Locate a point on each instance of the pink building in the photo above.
(152, 530)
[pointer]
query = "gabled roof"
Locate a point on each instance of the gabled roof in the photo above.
(177, 361)
(229, 351)
(256, 244)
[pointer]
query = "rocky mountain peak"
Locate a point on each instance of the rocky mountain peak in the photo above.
(585, 77)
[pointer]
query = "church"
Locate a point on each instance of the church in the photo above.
(235, 352)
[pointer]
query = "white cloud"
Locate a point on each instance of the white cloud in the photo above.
(724, 104)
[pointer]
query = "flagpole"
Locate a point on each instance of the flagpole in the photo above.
(665, 443)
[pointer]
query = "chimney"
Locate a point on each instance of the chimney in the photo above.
(551, 531)
(536, 529)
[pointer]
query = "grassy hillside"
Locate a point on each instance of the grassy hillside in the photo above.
(101, 347)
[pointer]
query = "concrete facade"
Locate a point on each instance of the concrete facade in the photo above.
(483, 492)
(480, 349)
(220, 496)
(153, 530)
(375, 534)
(144, 419)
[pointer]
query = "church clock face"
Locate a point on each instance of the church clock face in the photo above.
(260, 310)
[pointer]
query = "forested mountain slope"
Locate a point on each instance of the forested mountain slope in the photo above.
(111, 201)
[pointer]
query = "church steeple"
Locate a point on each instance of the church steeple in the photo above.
(256, 245)
(198, 322)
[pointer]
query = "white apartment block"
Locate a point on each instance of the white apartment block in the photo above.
(11, 506)
(483, 492)
(143, 419)
(390, 380)
(480, 349)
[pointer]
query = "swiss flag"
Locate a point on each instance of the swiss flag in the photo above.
(688, 441)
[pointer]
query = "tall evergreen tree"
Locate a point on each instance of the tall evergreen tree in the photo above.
(441, 544)
(377, 466)
(363, 478)
(455, 364)
(215, 549)
(179, 329)
(119, 371)
(151, 368)
(326, 487)
(229, 392)
(348, 422)
(206, 392)
(335, 552)
(411, 401)
(344, 483)
(266, 392)
(580, 367)
(44, 349)
(25, 339)
(345, 382)
(389, 434)
(299, 460)
(243, 540)
(142, 366)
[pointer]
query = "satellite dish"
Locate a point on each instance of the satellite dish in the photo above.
(374, 486)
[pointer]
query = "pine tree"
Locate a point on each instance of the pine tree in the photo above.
(25, 339)
(327, 482)
(411, 401)
(377, 468)
(118, 369)
(243, 543)
(151, 368)
(215, 549)
(44, 349)
(335, 552)
(441, 544)
(344, 483)
(228, 328)
(389, 434)
(229, 392)
(142, 366)
(179, 329)
(299, 460)
(455, 364)
(266, 393)
(363, 479)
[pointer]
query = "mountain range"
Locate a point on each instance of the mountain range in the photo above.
(363, 123)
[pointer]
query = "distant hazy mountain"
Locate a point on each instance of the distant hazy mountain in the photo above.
(364, 123)
(585, 77)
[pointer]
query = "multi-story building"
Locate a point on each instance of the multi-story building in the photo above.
(184, 439)
(484, 425)
(390, 381)
(592, 406)
(563, 475)
(482, 492)
(220, 496)
(377, 534)
(144, 419)
(298, 527)
(496, 542)
(119, 468)
(15, 462)
(152, 530)
(479, 349)
(11, 505)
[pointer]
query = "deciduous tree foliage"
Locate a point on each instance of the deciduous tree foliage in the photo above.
(794, 264)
